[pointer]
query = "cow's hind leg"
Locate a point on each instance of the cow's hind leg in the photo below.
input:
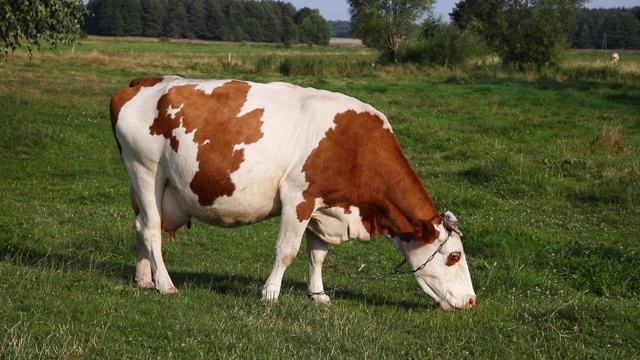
(287, 246)
(143, 266)
(317, 251)
(148, 190)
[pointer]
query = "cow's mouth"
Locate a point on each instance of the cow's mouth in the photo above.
(445, 302)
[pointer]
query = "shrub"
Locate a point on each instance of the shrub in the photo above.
(316, 66)
(442, 44)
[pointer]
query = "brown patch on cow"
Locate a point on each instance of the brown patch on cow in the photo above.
(217, 130)
(424, 231)
(145, 81)
(118, 100)
(360, 163)
(124, 96)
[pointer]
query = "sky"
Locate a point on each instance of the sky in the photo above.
(339, 9)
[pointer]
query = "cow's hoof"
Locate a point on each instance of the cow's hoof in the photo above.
(171, 290)
(145, 284)
(270, 296)
(322, 299)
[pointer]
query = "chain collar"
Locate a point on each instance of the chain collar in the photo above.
(395, 271)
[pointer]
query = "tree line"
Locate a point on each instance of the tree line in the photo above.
(521, 32)
(223, 20)
(607, 29)
(276, 21)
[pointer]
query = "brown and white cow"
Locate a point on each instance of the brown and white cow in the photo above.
(231, 153)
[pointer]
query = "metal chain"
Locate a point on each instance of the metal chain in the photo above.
(395, 271)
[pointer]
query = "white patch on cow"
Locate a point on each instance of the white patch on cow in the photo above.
(356, 227)
(182, 165)
(335, 225)
(289, 135)
(139, 113)
(171, 111)
(208, 86)
(295, 120)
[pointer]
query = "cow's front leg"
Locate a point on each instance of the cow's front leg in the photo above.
(317, 251)
(287, 246)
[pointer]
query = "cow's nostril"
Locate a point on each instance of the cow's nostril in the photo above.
(472, 301)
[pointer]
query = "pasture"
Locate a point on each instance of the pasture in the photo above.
(542, 171)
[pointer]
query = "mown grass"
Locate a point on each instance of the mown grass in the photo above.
(541, 169)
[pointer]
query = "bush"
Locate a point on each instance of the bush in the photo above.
(442, 44)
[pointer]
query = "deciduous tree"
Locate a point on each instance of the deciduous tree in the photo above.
(314, 29)
(38, 22)
(382, 24)
(522, 32)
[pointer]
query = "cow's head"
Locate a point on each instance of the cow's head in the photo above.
(441, 266)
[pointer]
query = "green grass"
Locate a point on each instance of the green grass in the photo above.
(542, 173)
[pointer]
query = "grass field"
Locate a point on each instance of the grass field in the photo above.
(543, 173)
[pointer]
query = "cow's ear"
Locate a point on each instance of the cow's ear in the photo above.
(425, 232)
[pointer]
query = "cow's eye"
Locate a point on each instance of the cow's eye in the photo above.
(453, 258)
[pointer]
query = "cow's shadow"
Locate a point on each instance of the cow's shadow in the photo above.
(240, 285)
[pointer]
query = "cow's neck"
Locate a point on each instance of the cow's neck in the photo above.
(360, 163)
(401, 198)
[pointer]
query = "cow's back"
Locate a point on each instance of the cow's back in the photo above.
(227, 148)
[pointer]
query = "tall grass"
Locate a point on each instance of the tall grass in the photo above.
(541, 169)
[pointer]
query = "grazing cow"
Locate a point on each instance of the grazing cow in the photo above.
(614, 58)
(232, 153)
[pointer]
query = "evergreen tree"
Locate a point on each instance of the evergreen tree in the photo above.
(197, 18)
(272, 23)
(235, 16)
(215, 20)
(233, 20)
(253, 31)
(152, 18)
(111, 23)
(254, 17)
(626, 31)
(176, 23)
(584, 40)
(131, 12)
(608, 29)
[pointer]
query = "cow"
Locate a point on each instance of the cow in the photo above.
(614, 58)
(232, 153)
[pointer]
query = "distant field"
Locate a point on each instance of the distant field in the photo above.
(345, 41)
(542, 171)
(629, 59)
